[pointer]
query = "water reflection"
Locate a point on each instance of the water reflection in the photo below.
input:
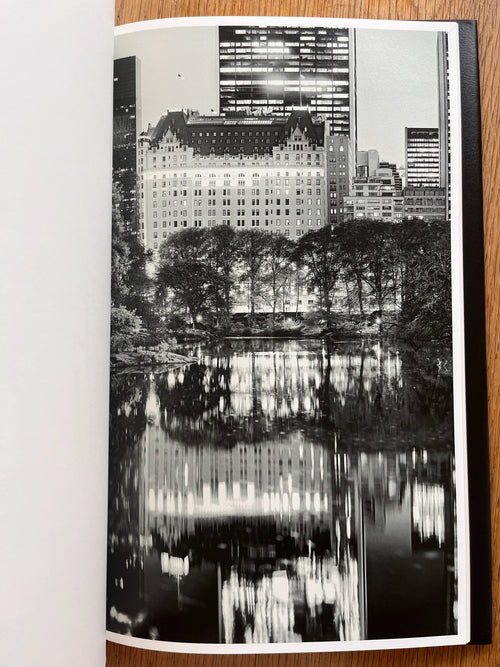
(282, 491)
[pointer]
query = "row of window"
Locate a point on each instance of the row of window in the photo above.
(255, 175)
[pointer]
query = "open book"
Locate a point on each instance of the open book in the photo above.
(297, 341)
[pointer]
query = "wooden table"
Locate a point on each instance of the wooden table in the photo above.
(487, 13)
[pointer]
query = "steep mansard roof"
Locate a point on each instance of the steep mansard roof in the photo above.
(235, 134)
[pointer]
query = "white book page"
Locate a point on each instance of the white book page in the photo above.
(54, 329)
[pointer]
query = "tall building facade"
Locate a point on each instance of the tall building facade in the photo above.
(126, 122)
(340, 173)
(425, 203)
(422, 156)
(377, 196)
(245, 172)
(398, 181)
(367, 163)
(444, 116)
(376, 207)
(276, 69)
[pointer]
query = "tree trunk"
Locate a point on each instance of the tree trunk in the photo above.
(359, 284)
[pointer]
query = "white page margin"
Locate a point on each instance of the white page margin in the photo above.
(54, 329)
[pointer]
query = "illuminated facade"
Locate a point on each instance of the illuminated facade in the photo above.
(274, 70)
(277, 69)
(375, 197)
(396, 176)
(425, 203)
(422, 157)
(444, 116)
(126, 121)
(340, 173)
(247, 172)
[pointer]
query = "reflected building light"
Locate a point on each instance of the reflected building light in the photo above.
(266, 505)
(222, 493)
(316, 502)
(174, 565)
(250, 493)
(207, 493)
(428, 512)
(280, 587)
(159, 501)
(308, 501)
(190, 504)
(285, 502)
(152, 407)
(170, 503)
(152, 500)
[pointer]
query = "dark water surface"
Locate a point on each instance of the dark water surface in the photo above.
(282, 491)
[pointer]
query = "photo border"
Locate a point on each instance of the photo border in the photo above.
(461, 486)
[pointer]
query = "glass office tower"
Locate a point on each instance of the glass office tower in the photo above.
(276, 69)
(126, 121)
(422, 156)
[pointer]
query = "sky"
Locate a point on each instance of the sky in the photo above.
(396, 79)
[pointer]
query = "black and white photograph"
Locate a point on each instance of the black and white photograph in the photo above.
(286, 459)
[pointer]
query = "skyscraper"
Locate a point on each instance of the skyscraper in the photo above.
(444, 115)
(422, 156)
(367, 162)
(126, 122)
(276, 69)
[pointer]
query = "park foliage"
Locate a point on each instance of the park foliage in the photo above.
(360, 271)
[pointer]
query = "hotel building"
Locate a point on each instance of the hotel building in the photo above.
(246, 172)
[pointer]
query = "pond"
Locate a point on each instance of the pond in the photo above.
(284, 491)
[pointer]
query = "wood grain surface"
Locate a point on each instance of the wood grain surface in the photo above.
(487, 14)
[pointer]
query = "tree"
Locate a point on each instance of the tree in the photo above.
(252, 245)
(277, 268)
(425, 249)
(184, 269)
(319, 254)
(130, 285)
(222, 259)
(379, 276)
(126, 329)
(353, 244)
(120, 252)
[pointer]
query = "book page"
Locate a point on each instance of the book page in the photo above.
(54, 330)
(287, 429)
